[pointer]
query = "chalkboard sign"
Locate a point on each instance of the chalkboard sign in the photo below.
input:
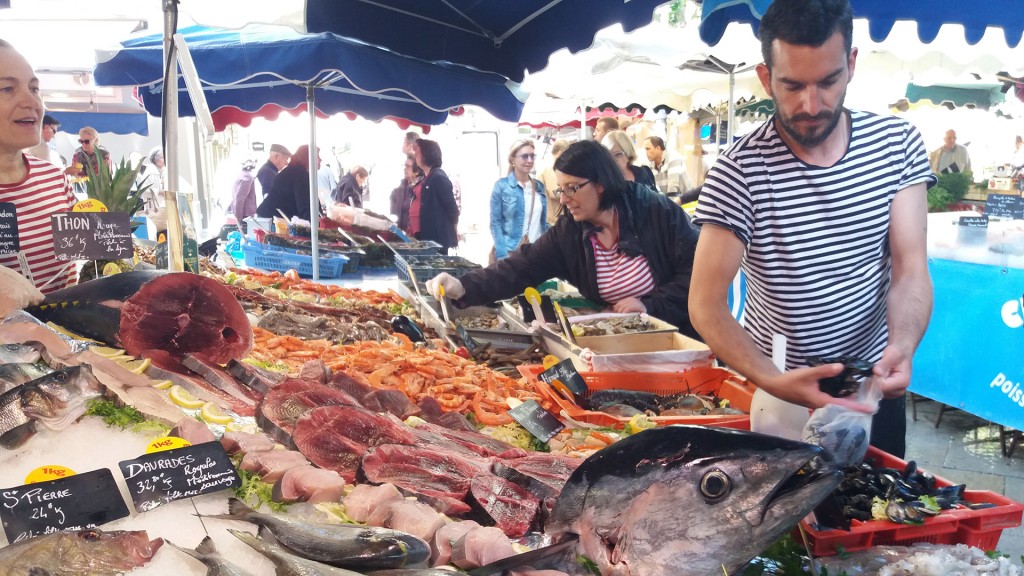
(8, 229)
(163, 477)
(467, 339)
(537, 421)
(92, 235)
(74, 503)
(1005, 206)
(565, 373)
(974, 221)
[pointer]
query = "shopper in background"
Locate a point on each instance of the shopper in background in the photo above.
(276, 161)
(407, 142)
(35, 187)
(604, 126)
(623, 245)
(150, 179)
(89, 153)
(547, 177)
(402, 196)
(621, 147)
(290, 194)
(669, 169)
(47, 147)
(518, 203)
(435, 208)
(825, 210)
(350, 187)
(243, 193)
(950, 157)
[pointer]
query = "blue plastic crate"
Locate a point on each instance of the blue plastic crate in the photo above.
(281, 260)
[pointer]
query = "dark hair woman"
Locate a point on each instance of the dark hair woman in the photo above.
(625, 245)
(290, 191)
(437, 212)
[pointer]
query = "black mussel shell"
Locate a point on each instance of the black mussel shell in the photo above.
(847, 382)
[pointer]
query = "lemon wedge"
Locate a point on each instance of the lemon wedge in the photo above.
(212, 414)
(240, 427)
(137, 366)
(163, 384)
(107, 352)
(183, 398)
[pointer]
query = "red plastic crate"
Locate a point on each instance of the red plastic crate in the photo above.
(979, 528)
(721, 383)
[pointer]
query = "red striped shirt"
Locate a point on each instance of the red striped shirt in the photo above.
(620, 276)
(44, 190)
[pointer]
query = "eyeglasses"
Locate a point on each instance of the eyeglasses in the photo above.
(570, 190)
(527, 156)
(85, 141)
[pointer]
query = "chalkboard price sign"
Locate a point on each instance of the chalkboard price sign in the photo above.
(1005, 206)
(74, 503)
(91, 235)
(8, 229)
(537, 421)
(565, 373)
(163, 477)
(974, 221)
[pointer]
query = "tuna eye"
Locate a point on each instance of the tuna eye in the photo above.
(715, 485)
(89, 535)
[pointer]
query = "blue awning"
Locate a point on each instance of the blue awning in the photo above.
(103, 122)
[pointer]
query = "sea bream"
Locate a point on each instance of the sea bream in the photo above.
(286, 563)
(55, 400)
(216, 565)
(16, 374)
(26, 353)
(688, 500)
(89, 551)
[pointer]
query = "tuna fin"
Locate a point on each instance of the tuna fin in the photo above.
(207, 546)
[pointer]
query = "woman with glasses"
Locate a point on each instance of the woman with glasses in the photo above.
(622, 149)
(88, 153)
(518, 203)
(622, 244)
(402, 197)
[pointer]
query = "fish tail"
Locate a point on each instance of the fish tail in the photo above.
(237, 510)
(207, 546)
(267, 535)
(192, 553)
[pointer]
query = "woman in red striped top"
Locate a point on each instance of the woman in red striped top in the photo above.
(34, 187)
(622, 244)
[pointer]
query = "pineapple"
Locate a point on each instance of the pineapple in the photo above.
(117, 191)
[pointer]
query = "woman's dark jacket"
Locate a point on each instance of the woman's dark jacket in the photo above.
(289, 194)
(348, 191)
(649, 224)
(439, 215)
(643, 175)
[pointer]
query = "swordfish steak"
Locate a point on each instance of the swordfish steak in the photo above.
(689, 500)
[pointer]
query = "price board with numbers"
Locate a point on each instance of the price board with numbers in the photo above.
(165, 476)
(86, 500)
(91, 235)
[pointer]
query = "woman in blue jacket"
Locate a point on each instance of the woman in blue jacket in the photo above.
(518, 203)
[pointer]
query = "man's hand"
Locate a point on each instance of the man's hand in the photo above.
(629, 305)
(892, 372)
(16, 292)
(800, 386)
(452, 287)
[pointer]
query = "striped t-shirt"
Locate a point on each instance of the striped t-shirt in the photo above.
(817, 247)
(44, 190)
(620, 276)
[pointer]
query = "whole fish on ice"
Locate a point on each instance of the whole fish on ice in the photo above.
(55, 400)
(91, 551)
(26, 353)
(16, 374)
(285, 561)
(216, 565)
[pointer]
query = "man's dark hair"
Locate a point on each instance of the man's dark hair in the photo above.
(805, 23)
(589, 159)
(657, 141)
(51, 121)
(430, 151)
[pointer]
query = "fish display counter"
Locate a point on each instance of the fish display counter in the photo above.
(970, 355)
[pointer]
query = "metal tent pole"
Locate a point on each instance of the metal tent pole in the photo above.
(175, 259)
(314, 196)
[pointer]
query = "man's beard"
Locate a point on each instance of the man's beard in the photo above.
(810, 140)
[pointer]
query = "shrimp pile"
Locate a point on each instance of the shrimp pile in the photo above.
(458, 384)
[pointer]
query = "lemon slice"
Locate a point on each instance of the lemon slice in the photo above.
(137, 366)
(163, 384)
(212, 414)
(107, 352)
(182, 398)
(240, 427)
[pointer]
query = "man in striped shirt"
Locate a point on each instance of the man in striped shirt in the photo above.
(825, 209)
(36, 188)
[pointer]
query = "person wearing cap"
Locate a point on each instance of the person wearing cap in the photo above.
(278, 159)
(47, 147)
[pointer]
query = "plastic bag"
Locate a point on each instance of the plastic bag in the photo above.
(844, 432)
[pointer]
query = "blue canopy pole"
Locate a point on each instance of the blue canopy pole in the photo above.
(175, 261)
(314, 196)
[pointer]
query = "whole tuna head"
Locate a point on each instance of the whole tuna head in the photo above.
(689, 500)
(89, 551)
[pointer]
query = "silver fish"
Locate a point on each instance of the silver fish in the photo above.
(55, 400)
(689, 500)
(346, 545)
(18, 373)
(216, 565)
(286, 562)
(89, 551)
(26, 353)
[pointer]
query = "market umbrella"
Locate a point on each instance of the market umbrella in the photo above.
(504, 37)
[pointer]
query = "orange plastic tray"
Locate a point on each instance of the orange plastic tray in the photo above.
(978, 528)
(704, 380)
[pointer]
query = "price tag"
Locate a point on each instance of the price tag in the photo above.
(974, 221)
(77, 502)
(468, 340)
(537, 421)
(90, 205)
(162, 477)
(91, 235)
(8, 229)
(547, 309)
(47, 473)
(564, 377)
(167, 443)
(1005, 206)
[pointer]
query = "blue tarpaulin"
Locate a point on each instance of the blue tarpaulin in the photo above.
(103, 122)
